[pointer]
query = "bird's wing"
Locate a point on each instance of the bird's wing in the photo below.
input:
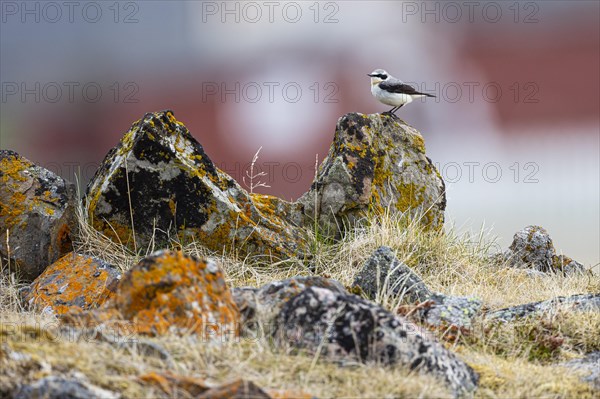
(398, 86)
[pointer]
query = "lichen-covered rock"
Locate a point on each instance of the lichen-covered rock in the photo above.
(532, 248)
(262, 305)
(582, 302)
(588, 366)
(376, 162)
(59, 387)
(169, 292)
(443, 311)
(159, 183)
(343, 326)
(384, 275)
(73, 283)
(37, 211)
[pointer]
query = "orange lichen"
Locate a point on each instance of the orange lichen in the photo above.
(171, 292)
(72, 284)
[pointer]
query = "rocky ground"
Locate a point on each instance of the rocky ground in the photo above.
(168, 279)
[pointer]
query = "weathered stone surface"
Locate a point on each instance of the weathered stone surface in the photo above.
(583, 302)
(448, 311)
(262, 305)
(73, 283)
(37, 211)
(383, 274)
(58, 387)
(532, 248)
(160, 177)
(375, 162)
(341, 326)
(588, 366)
(169, 292)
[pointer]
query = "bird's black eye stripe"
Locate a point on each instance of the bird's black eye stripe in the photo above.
(384, 77)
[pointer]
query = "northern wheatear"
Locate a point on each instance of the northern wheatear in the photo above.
(391, 91)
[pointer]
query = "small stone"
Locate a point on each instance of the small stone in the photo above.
(58, 387)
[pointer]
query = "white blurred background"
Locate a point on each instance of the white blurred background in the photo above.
(514, 130)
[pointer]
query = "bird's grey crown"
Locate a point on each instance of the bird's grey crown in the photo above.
(380, 73)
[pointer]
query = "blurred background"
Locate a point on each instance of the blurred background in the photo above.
(514, 130)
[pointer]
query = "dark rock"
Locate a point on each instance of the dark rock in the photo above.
(262, 305)
(582, 302)
(375, 162)
(384, 274)
(57, 387)
(37, 211)
(160, 177)
(342, 326)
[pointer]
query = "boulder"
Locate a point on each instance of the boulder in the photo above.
(582, 302)
(37, 211)
(346, 327)
(262, 305)
(532, 248)
(158, 185)
(73, 283)
(168, 292)
(376, 162)
(384, 275)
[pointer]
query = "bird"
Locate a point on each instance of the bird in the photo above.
(391, 91)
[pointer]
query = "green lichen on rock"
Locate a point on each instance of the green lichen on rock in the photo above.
(376, 163)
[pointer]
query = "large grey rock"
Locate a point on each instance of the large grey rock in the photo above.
(160, 180)
(376, 162)
(346, 327)
(582, 302)
(448, 311)
(532, 248)
(37, 212)
(383, 274)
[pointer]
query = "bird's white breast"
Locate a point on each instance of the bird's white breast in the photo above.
(393, 99)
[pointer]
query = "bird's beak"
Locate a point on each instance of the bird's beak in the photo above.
(369, 75)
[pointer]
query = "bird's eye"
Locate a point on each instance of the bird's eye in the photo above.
(384, 77)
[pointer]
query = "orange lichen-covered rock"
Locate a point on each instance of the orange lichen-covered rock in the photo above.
(169, 292)
(73, 283)
(375, 163)
(159, 180)
(37, 215)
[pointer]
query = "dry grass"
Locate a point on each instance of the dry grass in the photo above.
(514, 359)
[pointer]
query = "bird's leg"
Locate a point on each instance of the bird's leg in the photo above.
(391, 111)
